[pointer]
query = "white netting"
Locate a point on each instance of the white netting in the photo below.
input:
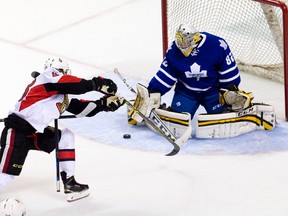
(254, 31)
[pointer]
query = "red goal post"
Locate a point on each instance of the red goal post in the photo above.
(256, 30)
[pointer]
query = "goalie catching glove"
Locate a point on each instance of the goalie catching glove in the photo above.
(106, 86)
(236, 99)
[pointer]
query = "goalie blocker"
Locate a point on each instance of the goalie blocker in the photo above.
(245, 117)
(179, 124)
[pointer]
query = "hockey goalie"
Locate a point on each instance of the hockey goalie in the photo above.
(240, 115)
(201, 69)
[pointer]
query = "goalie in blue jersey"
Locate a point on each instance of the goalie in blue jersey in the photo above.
(200, 64)
(202, 70)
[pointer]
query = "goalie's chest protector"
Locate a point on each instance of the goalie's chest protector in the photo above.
(201, 69)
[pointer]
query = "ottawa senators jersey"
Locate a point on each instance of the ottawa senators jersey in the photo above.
(45, 98)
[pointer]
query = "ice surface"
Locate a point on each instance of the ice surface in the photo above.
(245, 175)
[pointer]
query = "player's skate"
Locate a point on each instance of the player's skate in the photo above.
(73, 190)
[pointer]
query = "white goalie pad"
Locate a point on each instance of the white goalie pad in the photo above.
(178, 123)
(144, 102)
(258, 116)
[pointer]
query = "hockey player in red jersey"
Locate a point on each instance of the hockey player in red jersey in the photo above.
(45, 99)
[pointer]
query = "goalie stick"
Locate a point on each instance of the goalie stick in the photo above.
(158, 125)
(156, 122)
(124, 80)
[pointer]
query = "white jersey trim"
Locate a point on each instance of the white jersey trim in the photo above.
(168, 75)
(194, 89)
(228, 80)
(162, 82)
(228, 70)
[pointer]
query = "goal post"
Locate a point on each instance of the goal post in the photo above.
(256, 30)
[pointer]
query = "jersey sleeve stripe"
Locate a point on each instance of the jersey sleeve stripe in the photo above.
(168, 75)
(162, 82)
(230, 79)
(227, 71)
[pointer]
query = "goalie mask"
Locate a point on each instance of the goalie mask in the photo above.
(58, 64)
(186, 39)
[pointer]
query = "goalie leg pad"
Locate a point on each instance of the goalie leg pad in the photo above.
(178, 123)
(259, 116)
(130, 113)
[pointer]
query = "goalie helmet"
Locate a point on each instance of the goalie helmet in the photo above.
(59, 64)
(12, 207)
(186, 38)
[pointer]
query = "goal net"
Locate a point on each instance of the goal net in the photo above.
(256, 31)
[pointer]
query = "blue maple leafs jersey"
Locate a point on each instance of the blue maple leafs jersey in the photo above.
(210, 66)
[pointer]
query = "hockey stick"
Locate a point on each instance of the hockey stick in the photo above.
(158, 126)
(61, 117)
(57, 148)
(124, 80)
(156, 122)
(57, 158)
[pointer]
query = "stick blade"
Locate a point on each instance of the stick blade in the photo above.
(173, 152)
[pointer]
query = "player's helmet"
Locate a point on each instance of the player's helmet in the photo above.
(186, 38)
(13, 207)
(59, 64)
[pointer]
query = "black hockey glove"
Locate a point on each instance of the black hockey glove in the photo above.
(106, 86)
(110, 103)
(232, 87)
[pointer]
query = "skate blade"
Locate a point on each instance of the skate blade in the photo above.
(71, 197)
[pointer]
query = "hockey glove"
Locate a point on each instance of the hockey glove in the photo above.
(106, 86)
(110, 103)
(237, 100)
(232, 87)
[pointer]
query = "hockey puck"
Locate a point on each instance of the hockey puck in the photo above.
(126, 136)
